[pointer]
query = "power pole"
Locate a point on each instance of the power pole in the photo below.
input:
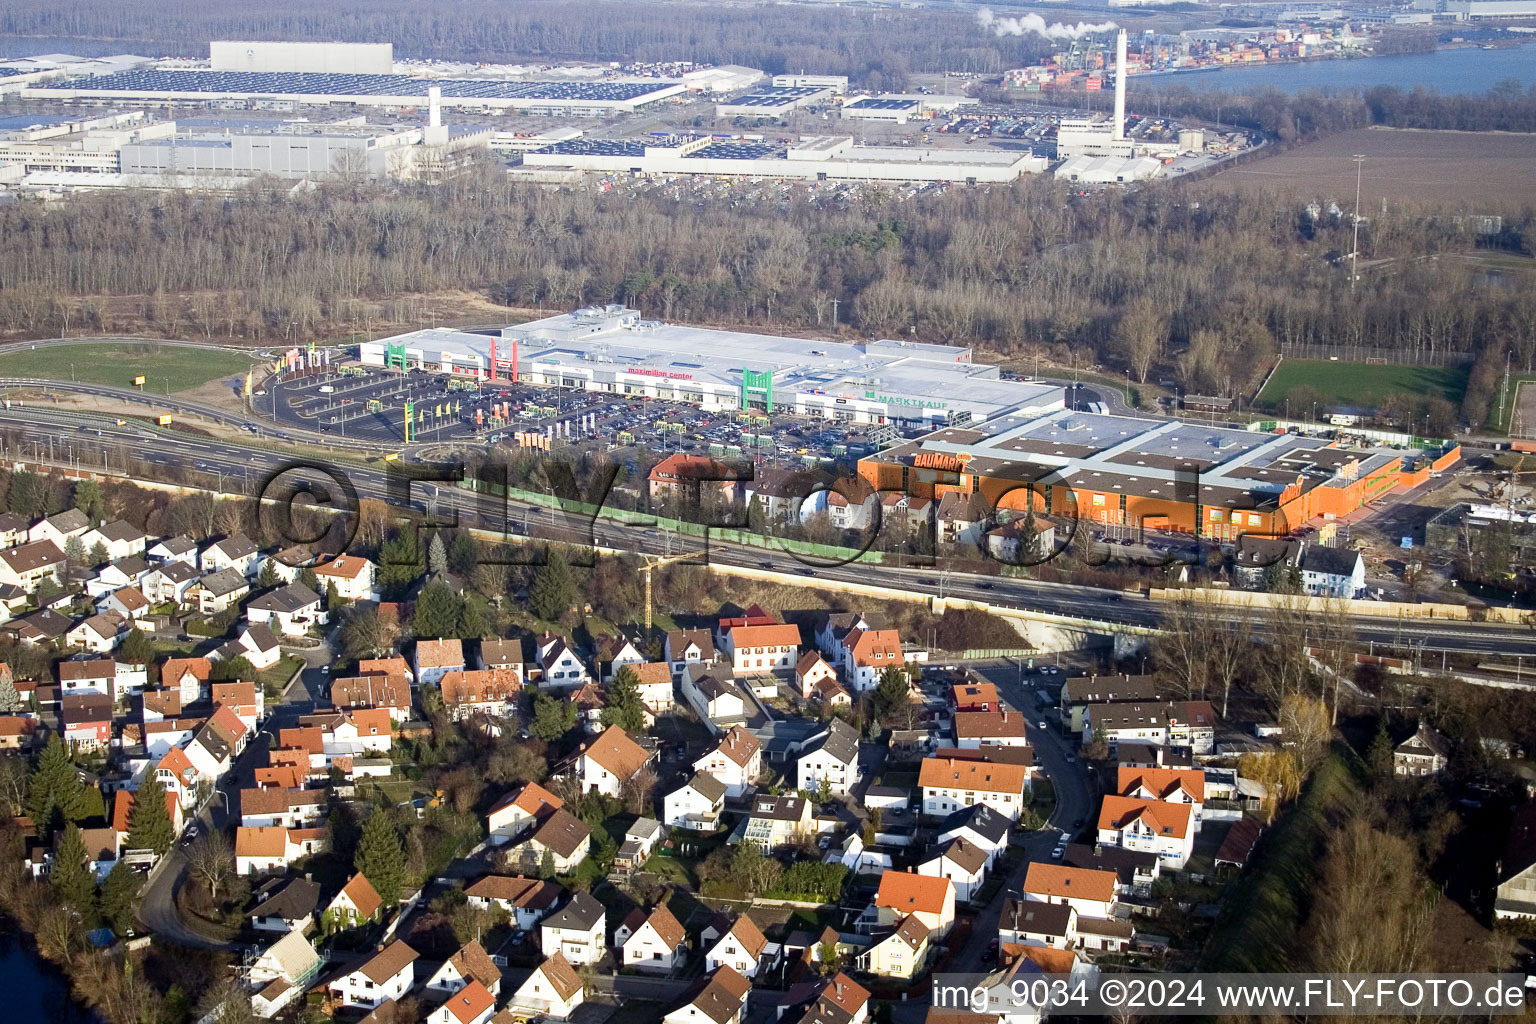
(1504, 391)
(1354, 254)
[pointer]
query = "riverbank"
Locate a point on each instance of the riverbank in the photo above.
(1451, 70)
(35, 989)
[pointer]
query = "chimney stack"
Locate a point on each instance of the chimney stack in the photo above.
(435, 99)
(1120, 86)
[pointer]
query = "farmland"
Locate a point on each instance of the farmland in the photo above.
(1359, 384)
(165, 368)
(1470, 172)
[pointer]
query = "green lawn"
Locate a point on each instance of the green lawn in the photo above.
(117, 363)
(1359, 384)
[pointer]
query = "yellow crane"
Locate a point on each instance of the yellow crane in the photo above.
(656, 562)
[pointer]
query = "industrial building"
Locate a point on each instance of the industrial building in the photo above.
(773, 101)
(837, 83)
(813, 158)
(1097, 151)
(1122, 475)
(290, 57)
(612, 349)
(32, 144)
(23, 72)
(1108, 170)
(899, 108)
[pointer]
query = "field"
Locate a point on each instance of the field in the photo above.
(1359, 384)
(1474, 172)
(166, 368)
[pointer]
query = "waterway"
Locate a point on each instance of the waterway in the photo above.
(34, 989)
(1457, 71)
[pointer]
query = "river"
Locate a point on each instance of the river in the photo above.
(35, 989)
(1464, 70)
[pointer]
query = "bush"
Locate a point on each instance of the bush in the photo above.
(811, 880)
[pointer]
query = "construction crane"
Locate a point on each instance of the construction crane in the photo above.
(656, 562)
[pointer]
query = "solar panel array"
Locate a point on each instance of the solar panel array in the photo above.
(873, 103)
(8, 72)
(774, 96)
(737, 151)
(596, 147)
(304, 83)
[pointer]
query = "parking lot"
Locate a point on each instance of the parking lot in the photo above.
(367, 403)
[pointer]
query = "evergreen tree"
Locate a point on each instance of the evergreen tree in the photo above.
(10, 700)
(552, 718)
(547, 865)
(308, 579)
(232, 670)
(893, 692)
(74, 551)
(136, 647)
(55, 794)
(120, 897)
(149, 824)
(1379, 754)
(70, 877)
(463, 554)
(99, 554)
(380, 857)
(622, 704)
(437, 611)
(553, 592)
(332, 596)
(437, 556)
(399, 562)
(473, 621)
(89, 501)
(268, 577)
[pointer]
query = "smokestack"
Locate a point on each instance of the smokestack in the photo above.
(1120, 86)
(435, 96)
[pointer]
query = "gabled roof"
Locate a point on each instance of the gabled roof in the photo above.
(783, 635)
(345, 567)
(130, 598)
(261, 841)
(176, 545)
(261, 636)
(224, 582)
(472, 961)
(1071, 883)
(236, 545)
(840, 742)
(362, 895)
(653, 673)
(501, 653)
(912, 931)
(1520, 844)
(172, 670)
(562, 832)
(779, 808)
(1425, 742)
(985, 725)
(719, 996)
(980, 819)
(737, 745)
(131, 566)
(294, 597)
(386, 963)
(912, 893)
(581, 914)
(530, 798)
(976, 776)
(478, 686)
(561, 976)
(1329, 561)
(667, 927)
(707, 786)
(85, 709)
(292, 899)
(875, 647)
(1104, 689)
(966, 855)
(71, 520)
(1164, 819)
(74, 670)
(615, 751)
(1161, 782)
(293, 954)
(746, 932)
(679, 639)
(1036, 916)
(534, 893)
(447, 653)
(176, 571)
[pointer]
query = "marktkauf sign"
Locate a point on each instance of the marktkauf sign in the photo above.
(923, 403)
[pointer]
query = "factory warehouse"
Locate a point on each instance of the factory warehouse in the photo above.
(611, 349)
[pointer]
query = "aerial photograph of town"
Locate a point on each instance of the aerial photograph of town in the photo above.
(767, 511)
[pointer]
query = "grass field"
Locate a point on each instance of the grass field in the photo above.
(1360, 384)
(166, 368)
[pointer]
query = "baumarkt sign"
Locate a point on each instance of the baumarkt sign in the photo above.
(900, 400)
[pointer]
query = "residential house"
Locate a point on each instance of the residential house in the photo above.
(517, 810)
(388, 973)
(169, 581)
(42, 627)
(1426, 752)
(852, 504)
(1174, 785)
(275, 805)
(680, 479)
(907, 514)
(684, 647)
(561, 834)
(718, 998)
(811, 669)
(832, 631)
(1190, 723)
(86, 721)
(831, 693)
(962, 518)
(963, 863)
(839, 999)
(13, 529)
(490, 691)
(528, 900)
(833, 759)
(775, 821)
(16, 732)
(352, 575)
(1332, 572)
(974, 729)
(979, 825)
(122, 813)
(736, 759)
(128, 602)
(930, 899)
(1089, 892)
(188, 676)
(289, 610)
(655, 686)
(27, 565)
(282, 972)
(1258, 560)
(714, 698)
(99, 633)
(575, 931)
(869, 653)
(274, 848)
(553, 989)
(610, 761)
(60, 527)
(358, 732)
(559, 666)
(500, 653)
(1153, 826)
(1515, 898)
(472, 1004)
(614, 652)
(740, 948)
(973, 697)
(128, 571)
(773, 648)
(237, 552)
(470, 964)
(639, 841)
(218, 591)
(1080, 691)
(659, 944)
(174, 549)
(950, 784)
(94, 675)
(259, 644)
(904, 952)
(1135, 870)
(392, 693)
(283, 905)
(177, 775)
(696, 804)
(1029, 922)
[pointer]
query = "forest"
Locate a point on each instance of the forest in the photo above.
(1153, 284)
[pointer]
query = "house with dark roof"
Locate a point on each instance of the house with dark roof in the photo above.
(717, 998)
(696, 804)
(236, 551)
(963, 863)
(1036, 923)
(289, 610)
(60, 527)
(685, 647)
(280, 905)
(378, 976)
(1516, 870)
(1426, 752)
(576, 931)
(27, 565)
(833, 758)
(528, 900)
(1332, 572)
(118, 538)
(980, 825)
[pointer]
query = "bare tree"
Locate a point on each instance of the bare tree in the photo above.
(1307, 729)
(637, 791)
(212, 861)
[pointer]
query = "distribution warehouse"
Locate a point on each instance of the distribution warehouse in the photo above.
(612, 349)
(1143, 474)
